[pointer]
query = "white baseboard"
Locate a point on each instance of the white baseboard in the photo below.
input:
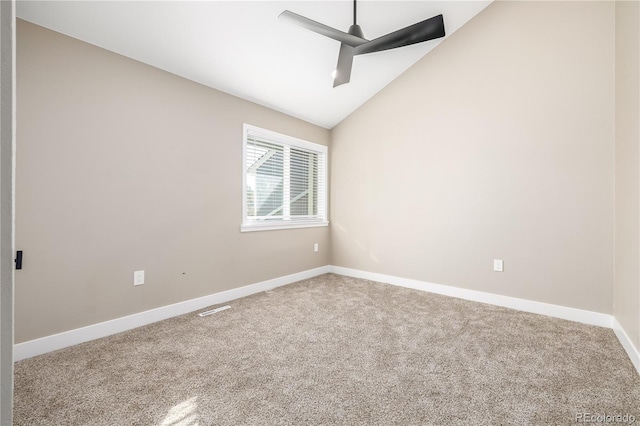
(107, 328)
(572, 314)
(556, 311)
(627, 344)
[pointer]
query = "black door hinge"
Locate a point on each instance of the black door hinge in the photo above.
(18, 259)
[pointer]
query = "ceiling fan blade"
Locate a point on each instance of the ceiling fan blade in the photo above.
(345, 61)
(422, 31)
(319, 28)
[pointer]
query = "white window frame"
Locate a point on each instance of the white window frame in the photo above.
(287, 222)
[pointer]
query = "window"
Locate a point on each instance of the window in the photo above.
(284, 181)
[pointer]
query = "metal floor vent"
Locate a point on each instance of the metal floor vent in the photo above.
(213, 311)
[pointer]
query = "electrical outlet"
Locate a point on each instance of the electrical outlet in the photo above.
(315, 247)
(498, 265)
(138, 277)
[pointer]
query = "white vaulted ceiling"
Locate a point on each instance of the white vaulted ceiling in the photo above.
(240, 47)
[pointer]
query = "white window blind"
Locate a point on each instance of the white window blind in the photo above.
(284, 181)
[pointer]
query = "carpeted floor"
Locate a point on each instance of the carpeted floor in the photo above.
(335, 350)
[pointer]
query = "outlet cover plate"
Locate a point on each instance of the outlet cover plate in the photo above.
(138, 277)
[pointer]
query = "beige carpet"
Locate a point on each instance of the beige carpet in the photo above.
(335, 350)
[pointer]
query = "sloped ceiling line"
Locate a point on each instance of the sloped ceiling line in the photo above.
(241, 48)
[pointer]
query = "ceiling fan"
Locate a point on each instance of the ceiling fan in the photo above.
(353, 42)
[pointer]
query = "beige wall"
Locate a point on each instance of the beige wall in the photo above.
(498, 144)
(627, 256)
(502, 140)
(121, 167)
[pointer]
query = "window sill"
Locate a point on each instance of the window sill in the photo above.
(280, 225)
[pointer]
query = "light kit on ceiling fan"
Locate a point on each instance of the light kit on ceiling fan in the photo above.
(353, 42)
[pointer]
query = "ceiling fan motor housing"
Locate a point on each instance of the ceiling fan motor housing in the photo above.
(355, 30)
